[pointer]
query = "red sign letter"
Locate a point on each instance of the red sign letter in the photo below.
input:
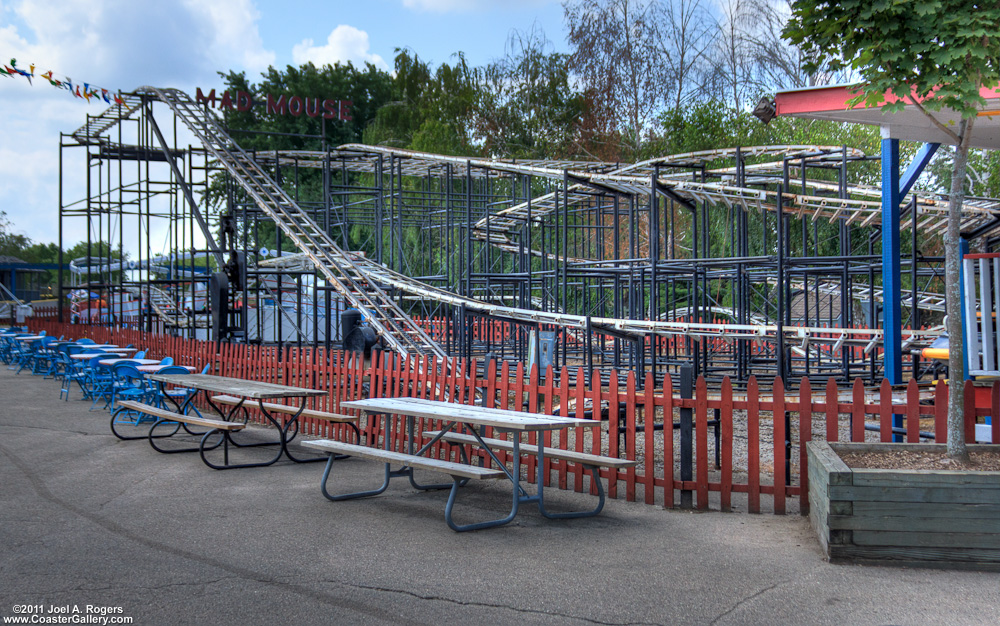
(200, 98)
(312, 108)
(276, 107)
(330, 108)
(244, 101)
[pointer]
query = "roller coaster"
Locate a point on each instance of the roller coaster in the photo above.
(741, 261)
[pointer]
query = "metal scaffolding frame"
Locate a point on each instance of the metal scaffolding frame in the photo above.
(647, 266)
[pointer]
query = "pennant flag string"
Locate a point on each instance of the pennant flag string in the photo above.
(89, 91)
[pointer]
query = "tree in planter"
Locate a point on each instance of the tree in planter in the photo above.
(934, 54)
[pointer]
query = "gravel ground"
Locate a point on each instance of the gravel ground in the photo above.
(928, 459)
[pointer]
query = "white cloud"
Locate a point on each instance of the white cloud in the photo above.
(126, 44)
(234, 23)
(345, 43)
(29, 155)
(115, 44)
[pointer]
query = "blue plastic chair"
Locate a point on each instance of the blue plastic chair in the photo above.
(60, 362)
(45, 357)
(128, 384)
(179, 395)
(73, 370)
(99, 380)
(30, 356)
(5, 349)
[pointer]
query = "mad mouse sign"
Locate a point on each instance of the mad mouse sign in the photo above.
(282, 105)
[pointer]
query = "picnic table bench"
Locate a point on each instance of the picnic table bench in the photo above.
(467, 417)
(168, 419)
(583, 458)
(273, 407)
(242, 390)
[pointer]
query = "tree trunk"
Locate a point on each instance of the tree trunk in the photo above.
(953, 290)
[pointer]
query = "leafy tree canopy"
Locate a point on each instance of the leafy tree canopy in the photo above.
(11, 243)
(935, 54)
(367, 88)
(944, 50)
(527, 106)
(430, 110)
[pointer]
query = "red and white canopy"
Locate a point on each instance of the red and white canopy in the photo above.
(830, 103)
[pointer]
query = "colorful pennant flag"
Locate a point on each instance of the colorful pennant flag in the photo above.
(89, 91)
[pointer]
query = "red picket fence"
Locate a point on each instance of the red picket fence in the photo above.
(761, 432)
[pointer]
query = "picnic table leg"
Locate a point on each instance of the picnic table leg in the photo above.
(152, 437)
(283, 429)
(351, 496)
(288, 451)
(227, 416)
(183, 408)
(227, 439)
(409, 471)
(492, 455)
(246, 418)
(516, 499)
(595, 478)
(285, 440)
(118, 421)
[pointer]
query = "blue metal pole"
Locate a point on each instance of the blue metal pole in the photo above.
(893, 190)
(916, 167)
(891, 273)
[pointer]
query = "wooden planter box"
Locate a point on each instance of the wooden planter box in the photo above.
(929, 518)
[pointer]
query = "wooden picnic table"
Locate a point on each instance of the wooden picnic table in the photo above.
(86, 356)
(112, 362)
(91, 346)
(286, 424)
(468, 414)
(469, 417)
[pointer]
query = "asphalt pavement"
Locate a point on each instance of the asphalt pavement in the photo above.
(92, 526)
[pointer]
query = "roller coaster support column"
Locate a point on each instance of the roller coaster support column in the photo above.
(206, 231)
(687, 434)
(893, 190)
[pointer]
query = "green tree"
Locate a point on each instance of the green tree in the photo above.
(100, 253)
(366, 88)
(527, 107)
(11, 243)
(937, 55)
(617, 56)
(430, 111)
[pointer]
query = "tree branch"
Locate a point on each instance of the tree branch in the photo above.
(939, 125)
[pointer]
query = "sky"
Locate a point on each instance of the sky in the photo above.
(125, 44)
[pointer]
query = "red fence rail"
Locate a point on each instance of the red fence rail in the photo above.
(761, 432)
